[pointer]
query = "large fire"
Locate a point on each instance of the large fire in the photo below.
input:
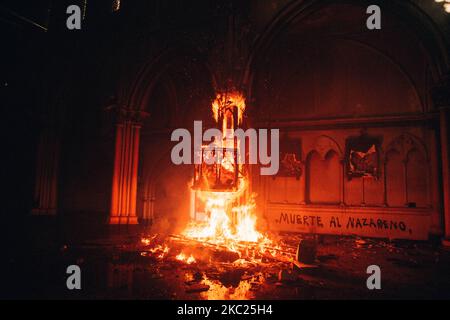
(223, 188)
(227, 223)
(223, 210)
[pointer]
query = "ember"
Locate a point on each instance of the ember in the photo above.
(188, 259)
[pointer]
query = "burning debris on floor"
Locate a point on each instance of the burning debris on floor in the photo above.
(217, 271)
(210, 271)
(238, 271)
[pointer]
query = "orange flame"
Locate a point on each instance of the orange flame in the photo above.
(218, 291)
(228, 99)
(184, 258)
(227, 224)
(229, 221)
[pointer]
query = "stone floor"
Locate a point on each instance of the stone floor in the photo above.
(116, 265)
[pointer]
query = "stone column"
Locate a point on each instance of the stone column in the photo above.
(46, 180)
(441, 97)
(126, 157)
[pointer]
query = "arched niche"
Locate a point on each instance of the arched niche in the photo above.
(323, 178)
(395, 179)
(405, 143)
(407, 174)
(416, 179)
(323, 144)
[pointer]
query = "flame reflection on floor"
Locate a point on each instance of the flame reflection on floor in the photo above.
(218, 291)
(216, 270)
